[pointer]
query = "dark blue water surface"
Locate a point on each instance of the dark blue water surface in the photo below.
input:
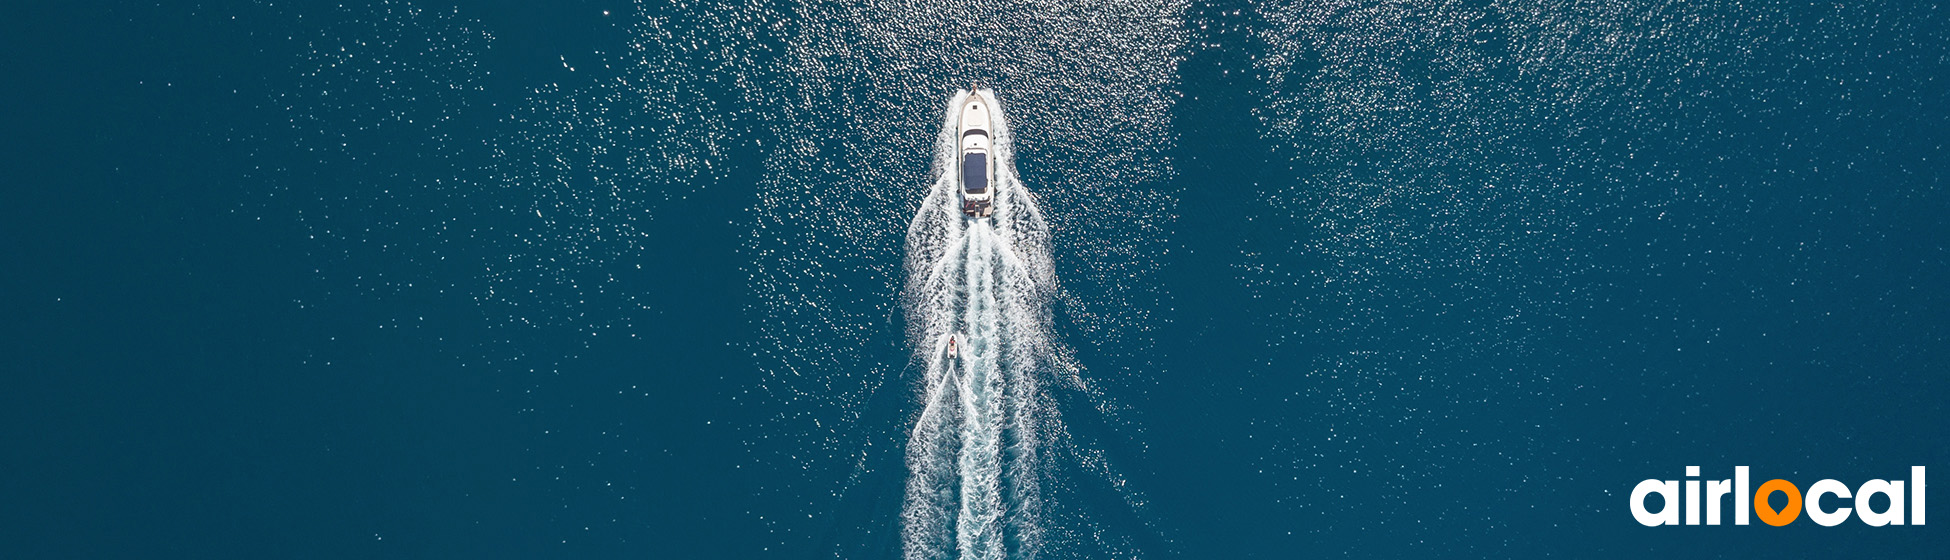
(611, 279)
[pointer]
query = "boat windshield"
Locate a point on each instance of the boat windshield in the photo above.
(975, 173)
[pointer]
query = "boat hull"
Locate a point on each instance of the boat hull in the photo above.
(975, 164)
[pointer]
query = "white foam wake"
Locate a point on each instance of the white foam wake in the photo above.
(973, 456)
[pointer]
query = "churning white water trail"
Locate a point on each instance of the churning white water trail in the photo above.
(973, 489)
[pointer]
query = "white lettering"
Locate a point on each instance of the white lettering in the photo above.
(1742, 495)
(1813, 503)
(1716, 489)
(1891, 516)
(1692, 502)
(1916, 492)
(1668, 515)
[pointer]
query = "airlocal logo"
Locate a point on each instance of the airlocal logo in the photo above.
(1716, 490)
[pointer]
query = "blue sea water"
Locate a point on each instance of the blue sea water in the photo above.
(612, 279)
